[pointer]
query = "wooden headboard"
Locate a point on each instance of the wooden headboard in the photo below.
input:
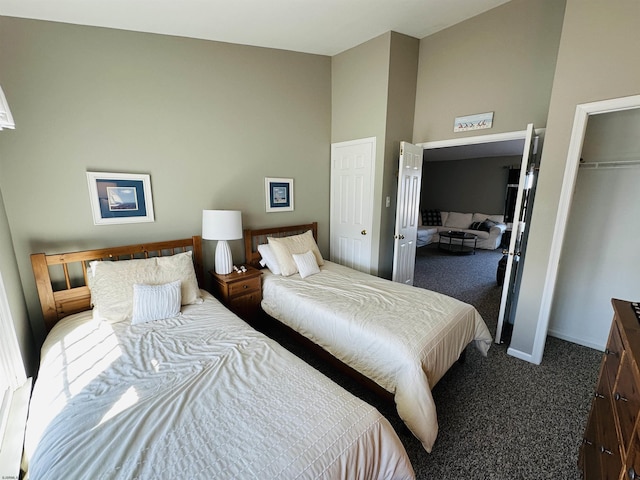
(253, 238)
(61, 279)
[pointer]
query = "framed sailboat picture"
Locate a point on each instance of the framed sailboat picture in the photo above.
(120, 198)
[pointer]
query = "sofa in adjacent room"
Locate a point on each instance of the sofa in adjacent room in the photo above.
(488, 228)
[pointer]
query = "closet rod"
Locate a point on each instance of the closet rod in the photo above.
(617, 164)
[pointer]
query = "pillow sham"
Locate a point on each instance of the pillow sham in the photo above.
(155, 302)
(306, 263)
(180, 267)
(284, 247)
(268, 258)
(111, 283)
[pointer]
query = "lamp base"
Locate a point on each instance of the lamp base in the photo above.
(223, 260)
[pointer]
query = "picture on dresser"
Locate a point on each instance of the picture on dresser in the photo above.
(279, 194)
(120, 198)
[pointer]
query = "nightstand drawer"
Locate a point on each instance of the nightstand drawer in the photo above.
(246, 286)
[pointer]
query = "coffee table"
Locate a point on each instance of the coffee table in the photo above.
(457, 242)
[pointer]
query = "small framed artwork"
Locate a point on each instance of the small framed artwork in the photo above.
(279, 194)
(120, 198)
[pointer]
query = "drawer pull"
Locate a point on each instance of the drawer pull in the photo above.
(245, 286)
(586, 441)
(604, 450)
(609, 352)
(598, 395)
(631, 473)
(617, 396)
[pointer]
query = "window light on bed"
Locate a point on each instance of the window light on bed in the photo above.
(6, 120)
(222, 225)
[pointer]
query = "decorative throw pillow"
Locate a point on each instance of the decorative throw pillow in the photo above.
(306, 263)
(269, 259)
(432, 218)
(155, 302)
(475, 226)
(284, 247)
(486, 225)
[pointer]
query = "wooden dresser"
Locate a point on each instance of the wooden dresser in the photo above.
(611, 443)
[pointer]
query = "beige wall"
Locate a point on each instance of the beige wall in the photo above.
(359, 91)
(373, 95)
(597, 60)
(403, 69)
(208, 121)
(501, 61)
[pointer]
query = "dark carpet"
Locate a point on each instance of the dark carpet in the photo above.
(499, 417)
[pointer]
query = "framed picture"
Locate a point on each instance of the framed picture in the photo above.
(120, 198)
(279, 194)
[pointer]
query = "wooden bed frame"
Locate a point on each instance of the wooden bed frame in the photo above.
(253, 238)
(70, 294)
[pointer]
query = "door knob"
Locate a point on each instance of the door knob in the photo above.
(363, 232)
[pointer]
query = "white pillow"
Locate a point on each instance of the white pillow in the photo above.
(284, 247)
(306, 263)
(155, 302)
(458, 220)
(112, 282)
(179, 267)
(112, 285)
(268, 259)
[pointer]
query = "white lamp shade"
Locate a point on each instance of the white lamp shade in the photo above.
(221, 224)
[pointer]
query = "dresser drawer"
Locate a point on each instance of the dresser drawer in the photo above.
(613, 353)
(241, 288)
(607, 446)
(627, 399)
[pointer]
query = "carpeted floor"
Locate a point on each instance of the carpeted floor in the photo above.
(499, 417)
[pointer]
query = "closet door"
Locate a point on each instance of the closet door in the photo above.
(352, 177)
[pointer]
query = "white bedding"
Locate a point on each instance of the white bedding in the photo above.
(402, 337)
(201, 395)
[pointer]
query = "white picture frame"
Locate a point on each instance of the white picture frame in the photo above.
(278, 194)
(118, 198)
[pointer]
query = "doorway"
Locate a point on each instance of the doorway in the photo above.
(519, 149)
(600, 254)
(583, 112)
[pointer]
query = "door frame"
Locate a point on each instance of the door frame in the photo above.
(581, 117)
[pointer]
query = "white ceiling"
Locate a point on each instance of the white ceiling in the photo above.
(325, 27)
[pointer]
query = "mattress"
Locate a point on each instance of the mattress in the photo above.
(402, 337)
(201, 395)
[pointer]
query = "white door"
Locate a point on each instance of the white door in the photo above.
(352, 202)
(515, 253)
(407, 212)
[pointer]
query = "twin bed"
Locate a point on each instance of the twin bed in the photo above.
(136, 387)
(402, 338)
(125, 391)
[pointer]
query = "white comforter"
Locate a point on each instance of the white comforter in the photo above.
(402, 337)
(202, 395)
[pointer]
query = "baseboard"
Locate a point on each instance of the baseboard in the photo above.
(578, 341)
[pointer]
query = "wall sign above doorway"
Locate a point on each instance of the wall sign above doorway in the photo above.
(478, 121)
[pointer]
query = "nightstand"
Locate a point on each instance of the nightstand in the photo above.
(240, 292)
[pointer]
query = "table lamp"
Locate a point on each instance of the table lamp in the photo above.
(222, 225)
